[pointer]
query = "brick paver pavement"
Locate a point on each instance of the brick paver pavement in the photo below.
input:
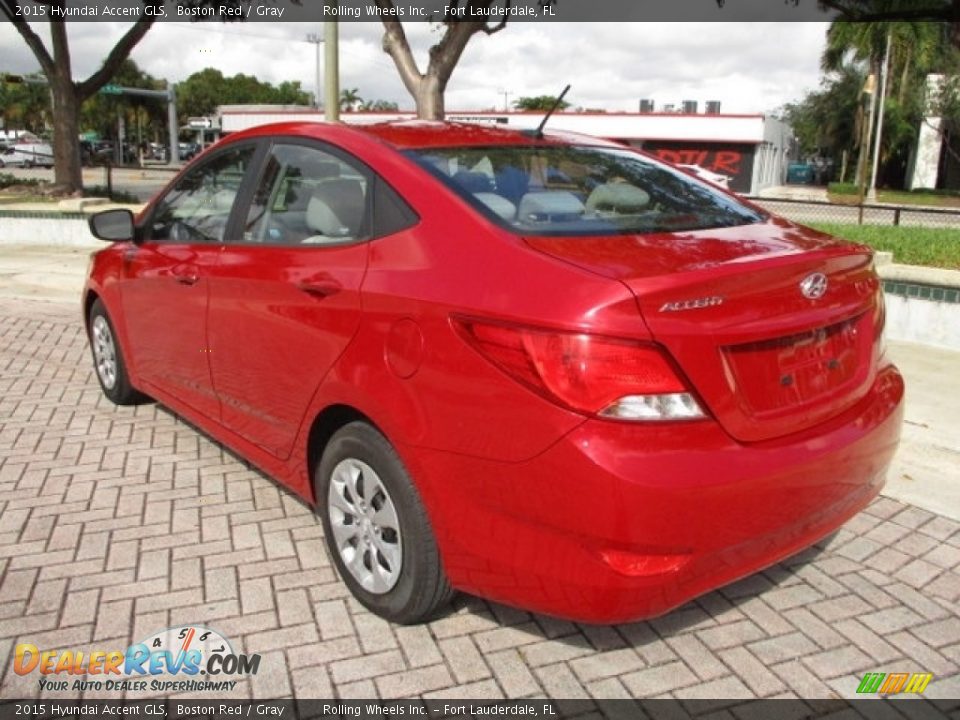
(118, 522)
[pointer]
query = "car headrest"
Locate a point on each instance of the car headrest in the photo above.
(473, 182)
(548, 205)
(336, 208)
(618, 197)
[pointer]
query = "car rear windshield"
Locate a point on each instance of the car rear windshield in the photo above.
(581, 190)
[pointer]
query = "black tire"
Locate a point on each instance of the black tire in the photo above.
(422, 587)
(119, 391)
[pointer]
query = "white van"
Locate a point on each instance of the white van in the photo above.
(38, 154)
(19, 148)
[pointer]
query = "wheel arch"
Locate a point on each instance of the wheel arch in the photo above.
(323, 427)
(89, 298)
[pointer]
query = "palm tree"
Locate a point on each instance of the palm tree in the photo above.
(350, 99)
(915, 47)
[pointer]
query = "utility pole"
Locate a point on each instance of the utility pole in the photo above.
(331, 66)
(884, 72)
(316, 39)
(866, 137)
(506, 94)
(172, 121)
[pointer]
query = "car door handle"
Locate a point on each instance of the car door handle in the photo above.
(319, 288)
(186, 275)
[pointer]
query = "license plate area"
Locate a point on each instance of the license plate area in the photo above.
(797, 370)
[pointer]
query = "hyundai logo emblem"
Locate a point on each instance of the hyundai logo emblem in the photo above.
(814, 286)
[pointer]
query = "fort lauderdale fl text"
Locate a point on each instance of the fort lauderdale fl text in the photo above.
(415, 11)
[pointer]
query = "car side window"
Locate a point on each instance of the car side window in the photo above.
(307, 196)
(198, 207)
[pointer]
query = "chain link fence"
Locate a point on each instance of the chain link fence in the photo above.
(809, 212)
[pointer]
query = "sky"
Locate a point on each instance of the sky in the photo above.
(749, 67)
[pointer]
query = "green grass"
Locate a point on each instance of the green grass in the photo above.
(932, 198)
(26, 198)
(848, 193)
(934, 247)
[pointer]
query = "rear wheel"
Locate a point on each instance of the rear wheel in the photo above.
(108, 360)
(377, 528)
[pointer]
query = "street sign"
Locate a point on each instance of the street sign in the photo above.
(200, 123)
(111, 89)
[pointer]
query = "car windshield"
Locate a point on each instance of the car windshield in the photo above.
(581, 190)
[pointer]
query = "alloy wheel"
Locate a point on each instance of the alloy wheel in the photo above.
(104, 352)
(366, 530)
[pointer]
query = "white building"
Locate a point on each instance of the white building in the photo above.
(753, 150)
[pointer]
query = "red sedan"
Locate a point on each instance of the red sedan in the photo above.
(550, 371)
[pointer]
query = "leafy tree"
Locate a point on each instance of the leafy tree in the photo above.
(66, 94)
(539, 102)
(878, 11)
(428, 86)
(826, 122)
(25, 105)
(833, 118)
(201, 93)
(99, 113)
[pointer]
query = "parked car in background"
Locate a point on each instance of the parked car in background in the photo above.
(5, 151)
(801, 173)
(546, 370)
(158, 151)
(189, 150)
(708, 175)
(103, 152)
(27, 153)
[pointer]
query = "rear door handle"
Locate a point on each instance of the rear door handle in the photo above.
(319, 288)
(186, 274)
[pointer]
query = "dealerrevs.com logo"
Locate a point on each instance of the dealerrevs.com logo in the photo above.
(181, 659)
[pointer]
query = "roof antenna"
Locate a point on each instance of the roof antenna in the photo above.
(538, 133)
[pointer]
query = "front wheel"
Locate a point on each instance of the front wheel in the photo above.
(108, 360)
(377, 528)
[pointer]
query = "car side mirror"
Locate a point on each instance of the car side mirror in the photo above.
(112, 225)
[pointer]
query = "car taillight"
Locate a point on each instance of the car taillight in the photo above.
(616, 379)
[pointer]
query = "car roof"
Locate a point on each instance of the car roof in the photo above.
(414, 134)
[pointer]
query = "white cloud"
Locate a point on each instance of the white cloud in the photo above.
(749, 67)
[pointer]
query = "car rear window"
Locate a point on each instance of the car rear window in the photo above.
(581, 190)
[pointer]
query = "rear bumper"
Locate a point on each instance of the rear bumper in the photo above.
(619, 522)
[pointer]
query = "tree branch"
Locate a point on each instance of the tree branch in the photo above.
(502, 24)
(9, 9)
(117, 55)
(396, 45)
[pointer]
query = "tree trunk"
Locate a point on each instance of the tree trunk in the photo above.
(68, 174)
(429, 99)
(904, 77)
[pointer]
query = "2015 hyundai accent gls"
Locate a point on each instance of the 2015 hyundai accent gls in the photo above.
(546, 370)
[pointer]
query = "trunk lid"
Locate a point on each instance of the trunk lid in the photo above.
(727, 303)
